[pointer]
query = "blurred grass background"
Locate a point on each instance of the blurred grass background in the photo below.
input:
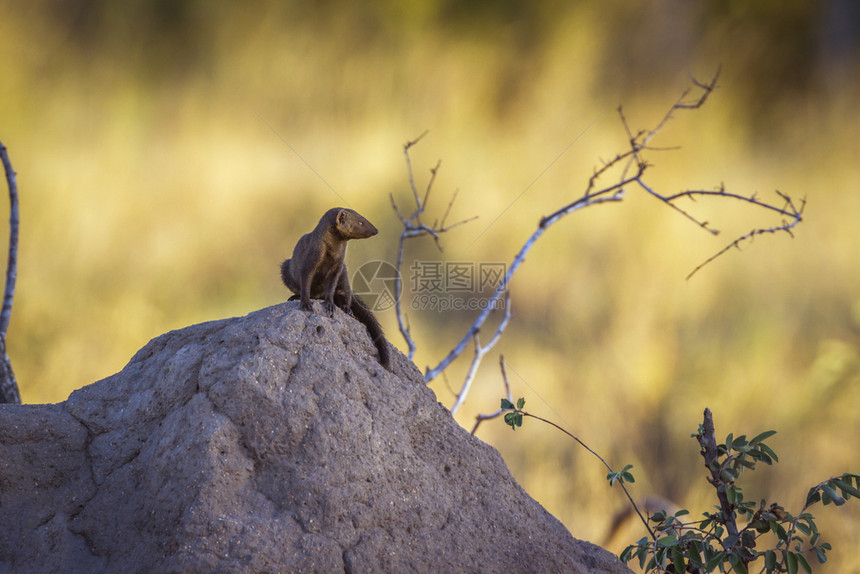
(154, 142)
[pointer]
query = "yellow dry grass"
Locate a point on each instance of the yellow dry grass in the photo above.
(162, 185)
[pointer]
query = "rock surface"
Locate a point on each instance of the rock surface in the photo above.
(273, 442)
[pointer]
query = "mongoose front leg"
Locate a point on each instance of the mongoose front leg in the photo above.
(333, 277)
(305, 298)
(345, 291)
(305, 279)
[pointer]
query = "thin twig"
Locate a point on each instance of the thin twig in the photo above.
(643, 138)
(480, 351)
(481, 417)
(413, 227)
(600, 458)
(402, 321)
(796, 217)
(406, 147)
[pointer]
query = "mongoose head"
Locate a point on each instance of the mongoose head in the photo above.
(351, 225)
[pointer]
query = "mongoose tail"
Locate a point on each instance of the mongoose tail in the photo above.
(363, 313)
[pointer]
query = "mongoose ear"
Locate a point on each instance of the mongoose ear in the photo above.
(341, 217)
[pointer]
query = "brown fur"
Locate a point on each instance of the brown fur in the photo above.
(317, 270)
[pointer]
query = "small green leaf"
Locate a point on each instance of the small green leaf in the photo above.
(779, 530)
(738, 567)
(715, 561)
(768, 451)
(820, 554)
(658, 516)
(668, 540)
(770, 560)
(661, 556)
(520, 402)
(627, 477)
(733, 559)
(694, 555)
(790, 562)
(678, 560)
(507, 405)
(761, 526)
(832, 494)
(760, 437)
(813, 540)
(846, 488)
(803, 563)
(744, 462)
(729, 542)
(763, 457)
(730, 495)
(734, 495)
(813, 496)
(627, 554)
(514, 420)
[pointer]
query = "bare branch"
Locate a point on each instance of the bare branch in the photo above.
(442, 227)
(786, 227)
(8, 385)
(706, 88)
(643, 138)
(703, 224)
(480, 351)
(481, 418)
(610, 194)
(608, 184)
(402, 321)
(406, 147)
(423, 204)
(413, 227)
